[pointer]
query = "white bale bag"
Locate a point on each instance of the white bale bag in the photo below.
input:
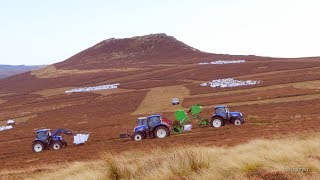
(80, 138)
(76, 139)
(187, 127)
(86, 137)
(8, 127)
(11, 121)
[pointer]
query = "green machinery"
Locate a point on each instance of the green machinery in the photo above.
(182, 118)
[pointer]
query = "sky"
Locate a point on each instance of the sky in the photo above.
(37, 32)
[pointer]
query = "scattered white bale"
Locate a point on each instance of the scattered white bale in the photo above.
(229, 82)
(203, 63)
(11, 122)
(93, 88)
(2, 128)
(80, 138)
(187, 127)
(8, 127)
(204, 84)
(223, 62)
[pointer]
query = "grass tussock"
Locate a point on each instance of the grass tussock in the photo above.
(297, 158)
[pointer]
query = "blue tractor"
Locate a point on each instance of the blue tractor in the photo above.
(153, 126)
(45, 140)
(223, 116)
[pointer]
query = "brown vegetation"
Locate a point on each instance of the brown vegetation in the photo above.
(286, 103)
(262, 159)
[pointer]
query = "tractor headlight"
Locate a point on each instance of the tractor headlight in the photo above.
(241, 114)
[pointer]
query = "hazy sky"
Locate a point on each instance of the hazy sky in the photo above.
(44, 31)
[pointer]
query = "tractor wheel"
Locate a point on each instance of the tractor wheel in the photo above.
(237, 122)
(161, 132)
(138, 136)
(37, 146)
(56, 145)
(216, 122)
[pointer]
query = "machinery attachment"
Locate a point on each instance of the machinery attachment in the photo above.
(125, 135)
(182, 119)
(195, 112)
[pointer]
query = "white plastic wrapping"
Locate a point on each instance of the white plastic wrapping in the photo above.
(223, 62)
(2, 128)
(80, 138)
(187, 127)
(10, 121)
(93, 88)
(229, 82)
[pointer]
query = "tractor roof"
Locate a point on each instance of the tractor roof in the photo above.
(153, 115)
(220, 106)
(41, 130)
(142, 118)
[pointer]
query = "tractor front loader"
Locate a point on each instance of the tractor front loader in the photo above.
(45, 140)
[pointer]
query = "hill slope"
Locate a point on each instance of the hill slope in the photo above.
(285, 103)
(113, 58)
(10, 70)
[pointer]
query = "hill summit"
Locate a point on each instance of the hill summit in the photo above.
(129, 51)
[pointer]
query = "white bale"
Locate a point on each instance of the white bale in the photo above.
(10, 121)
(229, 82)
(223, 62)
(94, 88)
(80, 138)
(187, 127)
(203, 84)
(2, 128)
(76, 139)
(8, 127)
(86, 137)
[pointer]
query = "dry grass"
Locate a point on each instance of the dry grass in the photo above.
(53, 92)
(288, 158)
(19, 120)
(7, 94)
(2, 101)
(308, 85)
(277, 100)
(159, 99)
(59, 91)
(25, 118)
(51, 71)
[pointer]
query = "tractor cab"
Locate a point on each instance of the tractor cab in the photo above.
(43, 135)
(222, 116)
(151, 121)
(141, 121)
(154, 120)
(152, 126)
(223, 111)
